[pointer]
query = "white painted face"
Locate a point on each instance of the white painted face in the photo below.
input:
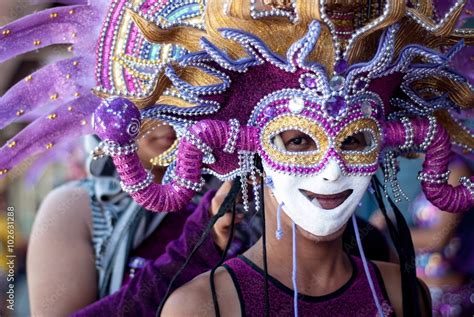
(320, 204)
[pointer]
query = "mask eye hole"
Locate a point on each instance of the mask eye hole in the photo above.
(360, 141)
(294, 141)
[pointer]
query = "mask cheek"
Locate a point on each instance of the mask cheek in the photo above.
(280, 181)
(360, 186)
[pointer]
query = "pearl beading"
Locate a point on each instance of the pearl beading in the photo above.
(233, 134)
(138, 82)
(466, 182)
(245, 166)
(434, 178)
(292, 15)
(336, 40)
(430, 134)
(111, 148)
(223, 177)
(139, 186)
(409, 134)
(224, 60)
(365, 72)
(203, 147)
(186, 183)
(390, 171)
(250, 43)
(432, 26)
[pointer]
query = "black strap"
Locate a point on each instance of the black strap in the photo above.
(406, 252)
(226, 205)
(258, 163)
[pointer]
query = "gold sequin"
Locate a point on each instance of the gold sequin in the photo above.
(75, 63)
(12, 144)
(52, 116)
(77, 94)
(28, 78)
(37, 42)
(73, 34)
(6, 32)
(4, 171)
(284, 123)
(83, 122)
(354, 127)
(49, 146)
(70, 48)
(68, 76)
(20, 112)
(70, 108)
(54, 97)
(53, 15)
(71, 11)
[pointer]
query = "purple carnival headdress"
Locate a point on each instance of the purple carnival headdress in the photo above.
(263, 94)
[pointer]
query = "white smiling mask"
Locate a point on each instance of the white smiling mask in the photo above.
(309, 215)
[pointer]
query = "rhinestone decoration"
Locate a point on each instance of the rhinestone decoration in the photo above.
(337, 83)
(335, 106)
(296, 105)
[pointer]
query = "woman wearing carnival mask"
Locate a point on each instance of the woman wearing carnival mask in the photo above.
(317, 93)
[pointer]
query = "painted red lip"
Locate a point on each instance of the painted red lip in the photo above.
(328, 201)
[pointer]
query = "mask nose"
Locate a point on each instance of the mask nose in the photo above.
(332, 171)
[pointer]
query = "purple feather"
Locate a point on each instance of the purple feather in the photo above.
(62, 25)
(44, 133)
(48, 85)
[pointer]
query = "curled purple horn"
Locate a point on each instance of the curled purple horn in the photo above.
(433, 139)
(205, 138)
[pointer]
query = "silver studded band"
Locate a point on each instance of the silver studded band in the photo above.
(466, 182)
(137, 187)
(434, 178)
(430, 134)
(111, 148)
(409, 134)
(189, 184)
(234, 132)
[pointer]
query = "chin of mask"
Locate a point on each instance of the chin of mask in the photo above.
(320, 204)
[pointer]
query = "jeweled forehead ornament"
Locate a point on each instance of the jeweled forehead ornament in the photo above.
(263, 93)
(324, 110)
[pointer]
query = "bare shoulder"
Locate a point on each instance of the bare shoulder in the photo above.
(65, 208)
(392, 279)
(195, 298)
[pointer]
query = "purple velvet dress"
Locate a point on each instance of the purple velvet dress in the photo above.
(142, 294)
(352, 299)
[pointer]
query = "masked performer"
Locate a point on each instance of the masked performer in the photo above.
(101, 235)
(318, 92)
(318, 110)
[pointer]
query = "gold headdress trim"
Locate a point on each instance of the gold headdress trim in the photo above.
(187, 37)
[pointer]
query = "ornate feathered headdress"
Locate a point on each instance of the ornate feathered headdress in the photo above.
(256, 73)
